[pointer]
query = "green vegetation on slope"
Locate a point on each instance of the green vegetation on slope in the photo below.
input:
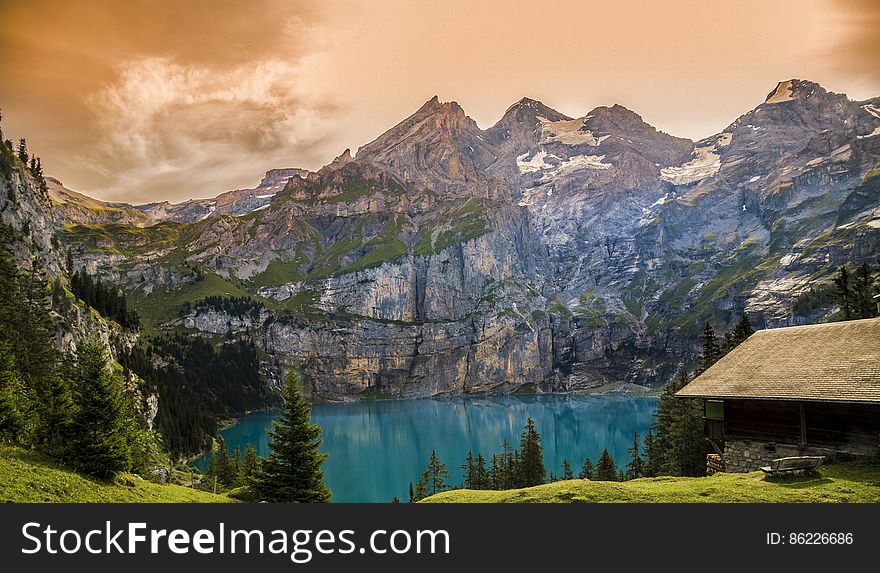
(28, 477)
(854, 482)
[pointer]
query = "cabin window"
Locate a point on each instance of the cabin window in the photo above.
(714, 410)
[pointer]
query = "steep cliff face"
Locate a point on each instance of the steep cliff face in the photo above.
(33, 215)
(545, 253)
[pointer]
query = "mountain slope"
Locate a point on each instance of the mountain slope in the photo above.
(545, 252)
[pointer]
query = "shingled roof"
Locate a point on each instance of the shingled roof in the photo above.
(835, 362)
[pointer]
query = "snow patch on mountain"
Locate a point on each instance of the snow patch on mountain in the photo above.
(704, 164)
(536, 163)
(569, 132)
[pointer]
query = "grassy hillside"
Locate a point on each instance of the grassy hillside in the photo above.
(857, 482)
(28, 477)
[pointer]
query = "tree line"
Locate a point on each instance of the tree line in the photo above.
(106, 298)
(199, 385)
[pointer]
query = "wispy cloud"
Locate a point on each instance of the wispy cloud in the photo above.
(164, 123)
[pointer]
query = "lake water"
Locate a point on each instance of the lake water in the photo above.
(377, 447)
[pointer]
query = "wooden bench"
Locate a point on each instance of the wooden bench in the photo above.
(794, 463)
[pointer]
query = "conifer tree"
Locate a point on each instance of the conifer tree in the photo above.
(635, 468)
(843, 294)
(251, 462)
(412, 496)
(292, 471)
(567, 474)
(98, 443)
(711, 351)
(741, 331)
(652, 456)
(435, 475)
(22, 151)
(863, 292)
(606, 468)
(482, 473)
(421, 491)
(531, 467)
(587, 470)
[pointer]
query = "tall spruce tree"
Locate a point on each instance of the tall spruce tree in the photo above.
(435, 475)
(292, 471)
(636, 466)
(531, 465)
(606, 467)
(653, 459)
(863, 292)
(711, 351)
(843, 293)
(98, 443)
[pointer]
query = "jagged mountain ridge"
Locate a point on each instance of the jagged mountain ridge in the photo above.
(544, 252)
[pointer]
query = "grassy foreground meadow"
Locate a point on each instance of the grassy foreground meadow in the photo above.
(28, 477)
(853, 482)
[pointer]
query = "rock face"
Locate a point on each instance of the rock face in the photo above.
(544, 253)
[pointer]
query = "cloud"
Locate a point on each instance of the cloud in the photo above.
(857, 50)
(164, 122)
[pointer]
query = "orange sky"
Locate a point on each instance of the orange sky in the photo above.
(141, 101)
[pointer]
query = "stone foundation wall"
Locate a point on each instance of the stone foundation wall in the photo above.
(741, 456)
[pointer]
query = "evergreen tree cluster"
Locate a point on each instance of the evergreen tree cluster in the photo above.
(105, 298)
(71, 407)
(227, 471)
(509, 469)
(31, 162)
(199, 385)
(677, 446)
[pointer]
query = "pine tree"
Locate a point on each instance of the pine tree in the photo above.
(587, 470)
(842, 293)
(435, 475)
(566, 470)
(98, 443)
(421, 491)
(482, 473)
(292, 472)
(863, 292)
(22, 151)
(470, 471)
(531, 468)
(635, 468)
(652, 456)
(741, 331)
(711, 351)
(606, 468)
(251, 462)
(412, 496)
(679, 443)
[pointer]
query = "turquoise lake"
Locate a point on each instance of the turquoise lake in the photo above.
(377, 447)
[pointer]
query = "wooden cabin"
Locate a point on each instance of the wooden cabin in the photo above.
(802, 390)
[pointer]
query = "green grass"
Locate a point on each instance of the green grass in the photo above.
(854, 482)
(162, 304)
(28, 477)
